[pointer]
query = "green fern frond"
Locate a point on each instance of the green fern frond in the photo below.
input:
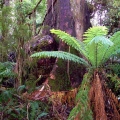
(6, 69)
(97, 48)
(34, 107)
(116, 40)
(115, 37)
(6, 73)
(112, 50)
(5, 95)
(68, 39)
(61, 55)
(93, 32)
(101, 39)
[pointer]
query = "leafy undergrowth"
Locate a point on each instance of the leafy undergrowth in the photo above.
(41, 104)
(44, 104)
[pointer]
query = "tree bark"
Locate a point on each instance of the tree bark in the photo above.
(81, 16)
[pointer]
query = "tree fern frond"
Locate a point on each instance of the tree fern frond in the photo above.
(97, 48)
(117, 51)
(115, 37)
(93, 32)
(105, 41)
(72, 41)
(112, 50)
(61, 55)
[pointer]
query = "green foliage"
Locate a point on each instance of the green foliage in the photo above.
(113, 13)
(35, 112)
(113, 69)
(41, 11)
(95, 41)
(71, 41)
(5, 31)
(114, 83)
(5, 96)
(16, 27)
(116, 40)
(6, 70)
(24, 7)
(96, 49)
(13, 107)
(82, 108)
(5, 19)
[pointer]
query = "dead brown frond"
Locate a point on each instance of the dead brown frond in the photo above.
(112, 105)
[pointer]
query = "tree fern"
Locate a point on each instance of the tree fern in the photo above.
(100, 48)
(96, 47)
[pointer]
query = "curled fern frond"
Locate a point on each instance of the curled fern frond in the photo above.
(61, 55)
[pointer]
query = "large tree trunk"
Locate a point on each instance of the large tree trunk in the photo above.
(78, 9)
(69, 16)
(81, 16)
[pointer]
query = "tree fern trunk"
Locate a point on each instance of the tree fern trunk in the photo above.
(103, 102)
(99, 108)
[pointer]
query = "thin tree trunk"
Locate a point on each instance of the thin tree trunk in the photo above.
(20, 59)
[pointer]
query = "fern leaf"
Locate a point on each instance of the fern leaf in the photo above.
(97, 48)
(6, 69)
(68, 39)
(105, 41)
(112, 50)
(61, 55)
